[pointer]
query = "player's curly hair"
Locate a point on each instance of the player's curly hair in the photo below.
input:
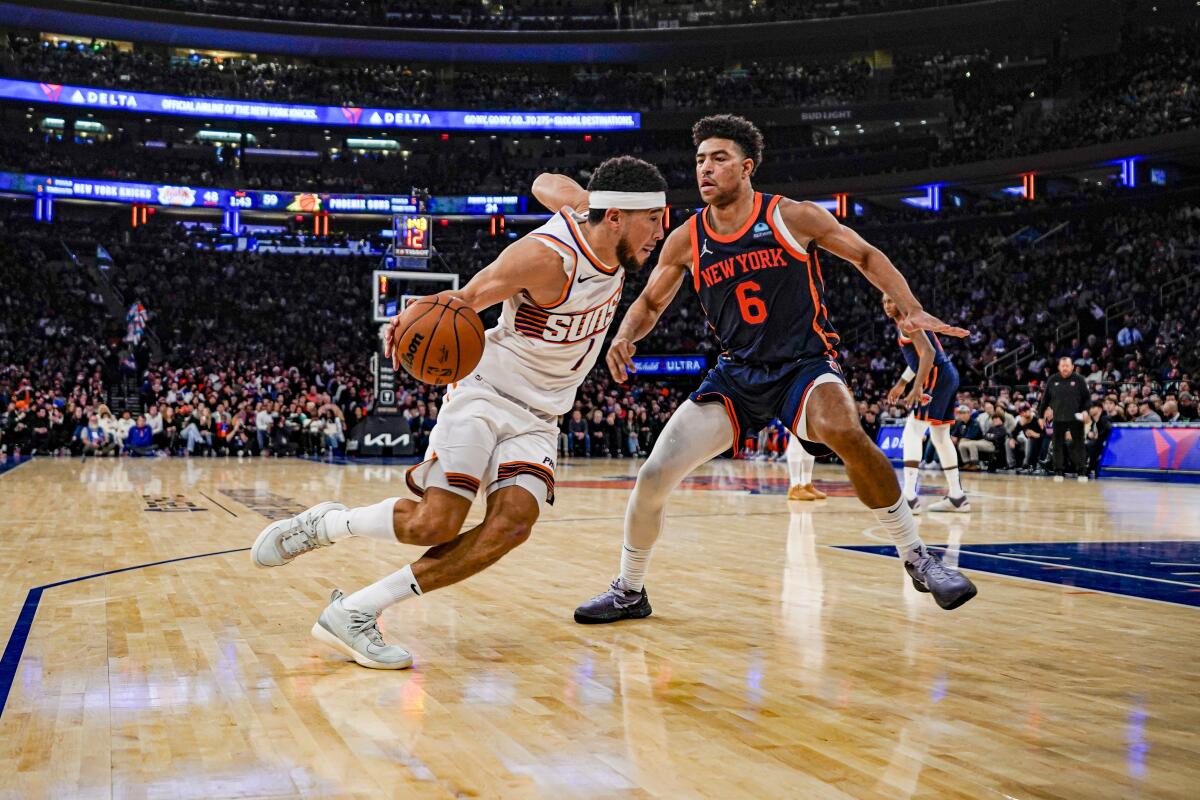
(741, 131)
(624, 174)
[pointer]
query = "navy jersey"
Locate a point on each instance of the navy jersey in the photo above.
(913, 359)
(761, 290)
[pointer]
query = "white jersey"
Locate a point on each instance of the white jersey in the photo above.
(538, 355)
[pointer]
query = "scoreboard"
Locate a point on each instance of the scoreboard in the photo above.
(412, 235)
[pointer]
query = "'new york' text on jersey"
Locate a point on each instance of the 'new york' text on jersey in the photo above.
(762, 291)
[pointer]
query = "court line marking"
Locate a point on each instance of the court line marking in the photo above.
(7, 466)
(25, 619)
(962, 552)
(1031, 555)
(1035, 581)
(215, 503)
(870, 534)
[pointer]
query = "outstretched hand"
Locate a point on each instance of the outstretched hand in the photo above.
(923, 321)
(620, 359)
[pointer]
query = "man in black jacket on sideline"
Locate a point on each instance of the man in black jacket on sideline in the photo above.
(1068, 394)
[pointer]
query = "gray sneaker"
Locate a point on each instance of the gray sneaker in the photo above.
(915, 505)
(952, 505)
(615, 604)
(356, 634)
(950, 587)
(282, 541)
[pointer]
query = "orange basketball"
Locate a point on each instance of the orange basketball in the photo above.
(440, 340)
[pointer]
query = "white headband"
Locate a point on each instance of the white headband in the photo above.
(628, 201)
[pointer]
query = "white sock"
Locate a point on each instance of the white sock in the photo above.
(911, 475)
(387, 592)
(800, 463)
(373, 521)
(948, 456)
(634, 563)
(897, 520)
(912, 439)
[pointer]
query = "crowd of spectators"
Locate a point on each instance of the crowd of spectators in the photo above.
(266, 78)
(1148, 87)
(542, 14)
(266, 354)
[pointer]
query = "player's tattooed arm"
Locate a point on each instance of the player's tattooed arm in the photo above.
(809, 221)
(556, 192)
(674, 264)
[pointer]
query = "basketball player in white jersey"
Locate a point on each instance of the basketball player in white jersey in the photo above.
(800, 464)
(498, 428)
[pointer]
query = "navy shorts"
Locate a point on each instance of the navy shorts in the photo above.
(939, 395)
(755, 394)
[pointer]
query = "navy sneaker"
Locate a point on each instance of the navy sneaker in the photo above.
(950, 588)
(615, 604)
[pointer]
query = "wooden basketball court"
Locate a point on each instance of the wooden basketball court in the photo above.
(147, 658)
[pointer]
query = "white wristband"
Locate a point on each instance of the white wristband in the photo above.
(908, 375)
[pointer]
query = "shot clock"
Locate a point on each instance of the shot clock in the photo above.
(412, 235)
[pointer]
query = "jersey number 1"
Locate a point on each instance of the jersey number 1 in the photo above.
(753, 309)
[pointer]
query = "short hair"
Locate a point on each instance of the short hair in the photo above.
(739, 130)
(624, 174)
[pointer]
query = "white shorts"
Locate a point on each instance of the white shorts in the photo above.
(485, 440)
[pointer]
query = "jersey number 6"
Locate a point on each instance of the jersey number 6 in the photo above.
(753, 309)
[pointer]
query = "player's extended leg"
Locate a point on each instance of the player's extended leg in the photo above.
(955, 499)
(831, 417)
(800, 468)
(348, 623)
(695, 434)
(437, 518)
(913, 441)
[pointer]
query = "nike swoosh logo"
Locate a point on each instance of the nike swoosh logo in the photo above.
(415, 590)
(585, 278)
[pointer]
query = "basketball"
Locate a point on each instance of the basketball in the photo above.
(439, 340)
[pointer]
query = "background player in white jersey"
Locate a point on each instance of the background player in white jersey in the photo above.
(560, 286)
(800, 464)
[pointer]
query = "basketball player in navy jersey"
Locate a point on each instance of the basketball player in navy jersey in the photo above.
(752, 259)
(931, 398)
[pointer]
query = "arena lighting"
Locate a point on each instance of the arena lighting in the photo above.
(327, 116)
(1128, 171)
(257, 200)
(229, 137)
(372, 144)
(321, 223)
(840, 210)
(1027, 185)
(930, 201)
(43, 208)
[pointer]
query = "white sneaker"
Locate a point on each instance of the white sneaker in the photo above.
(1082, 479)
(282, 541)
(356, 634)
(915, 505)
(956, 505)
